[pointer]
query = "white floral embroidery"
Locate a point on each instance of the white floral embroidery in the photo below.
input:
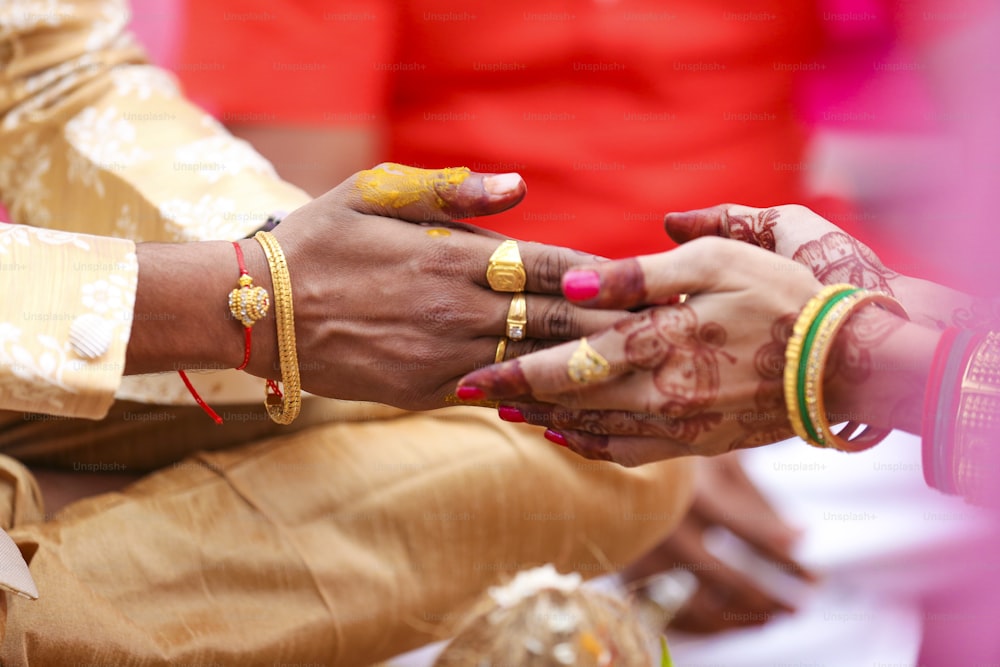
(9, 235)
(105, 297)
(105, 141)
(214, 157)
(126, 226)
(213, 124)
(46, 88)
(26, 15)
(57, 237)
(143, 81)
(209, 218)
(109, 21)
(28, 377)
(22, 171)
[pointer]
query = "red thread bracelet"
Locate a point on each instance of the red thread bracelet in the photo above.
(247, 303)
(248, 331)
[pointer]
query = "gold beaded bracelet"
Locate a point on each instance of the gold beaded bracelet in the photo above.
(282, 408)
(806, 357)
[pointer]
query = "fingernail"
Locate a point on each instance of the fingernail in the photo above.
(581, 285)
(502, 184)
(509, 413)
(470, 393)
(556, 437)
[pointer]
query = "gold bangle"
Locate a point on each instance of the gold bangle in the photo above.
(282, 408)
(793, 356)
(826, 329)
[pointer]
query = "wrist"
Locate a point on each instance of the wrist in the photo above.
(181, 318)
(878, 370)
(264, 345)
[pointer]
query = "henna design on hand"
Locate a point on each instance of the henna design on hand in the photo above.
(684, 360)
(756, 229)
(980, 314)
(851, 356)
(623, 285)
(767, 421)
(839, 258)
(850, 361)
(506, 380)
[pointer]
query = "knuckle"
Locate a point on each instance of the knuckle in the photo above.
(441, 316)
(559, 320)
(525, 347)
(548, 269)
(446, 259)
(795, 211)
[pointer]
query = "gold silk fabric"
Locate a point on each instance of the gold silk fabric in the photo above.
(358, 533)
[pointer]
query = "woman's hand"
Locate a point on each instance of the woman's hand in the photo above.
(834, 257)
(385, 310)
(703, 376)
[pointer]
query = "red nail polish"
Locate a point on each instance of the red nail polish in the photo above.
(470, 393)
(556, 437)
(581, 285)
(509, 413)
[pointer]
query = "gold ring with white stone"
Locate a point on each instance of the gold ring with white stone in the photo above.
(505, 272)
(587, 365)
(517, 317)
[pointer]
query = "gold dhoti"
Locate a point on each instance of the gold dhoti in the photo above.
(342, 543)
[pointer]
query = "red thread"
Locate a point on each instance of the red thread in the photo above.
(194, 392)
(247, 330)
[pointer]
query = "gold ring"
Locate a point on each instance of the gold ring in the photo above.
(587, 365)
(517, 317)
(501, 350)
(505, 272)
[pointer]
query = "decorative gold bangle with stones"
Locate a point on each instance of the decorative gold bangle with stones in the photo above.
(284, 407)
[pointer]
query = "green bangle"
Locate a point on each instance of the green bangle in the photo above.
(807, 343)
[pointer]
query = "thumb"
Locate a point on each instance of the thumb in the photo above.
(685, 226)
(430, 195)
(654, 279)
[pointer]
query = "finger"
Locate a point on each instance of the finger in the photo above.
(422, 195)
(623, 450)
(687, 225)
(753, 520)
(637, 342)
(557, 416)
(544, 265)
(703, 265)
(711, 610)
(737, 590)
(544, 373)
(545, 317)
(755, 226)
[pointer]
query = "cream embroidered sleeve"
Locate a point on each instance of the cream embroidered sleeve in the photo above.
(94, 140)
(65, 319)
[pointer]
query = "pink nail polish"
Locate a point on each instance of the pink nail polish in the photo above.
(502, 185)
(581, 285)
(470, 393)
(556, 437)
(510, 414)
